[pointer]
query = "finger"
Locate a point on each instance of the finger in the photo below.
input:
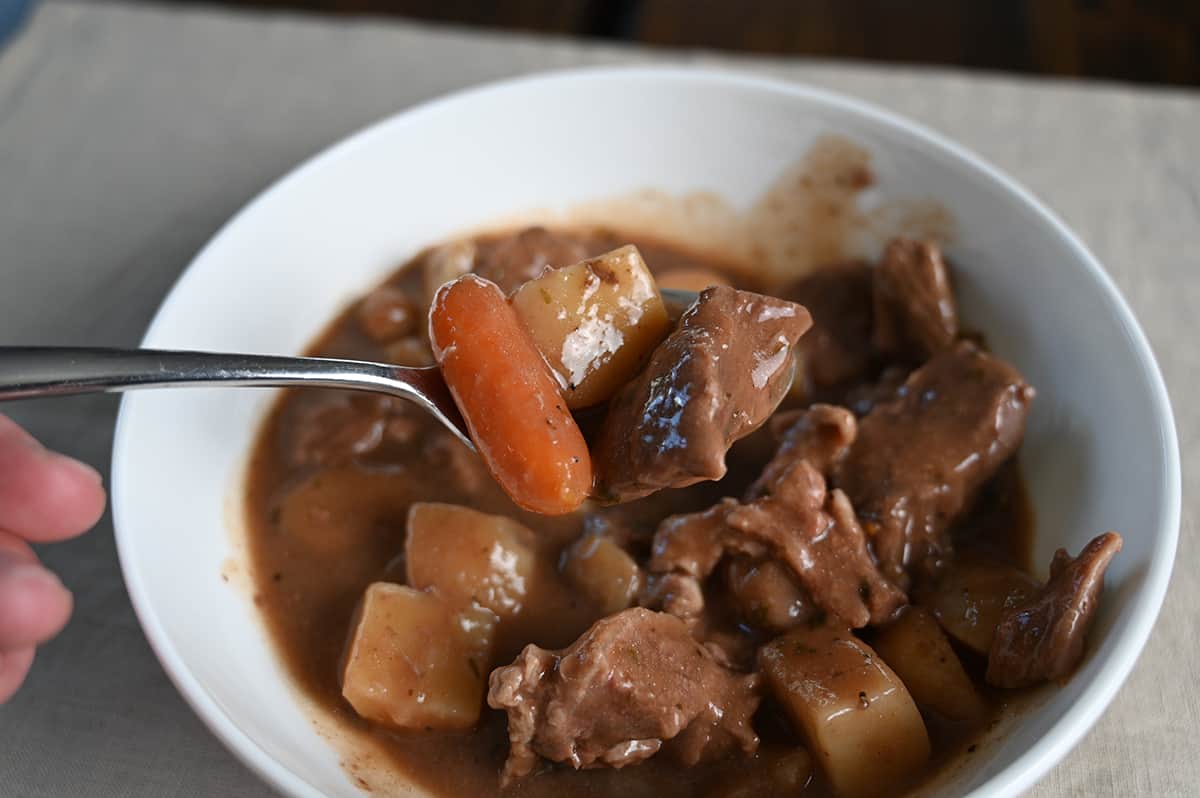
(14, 665)
(34, 605)
(44, 495)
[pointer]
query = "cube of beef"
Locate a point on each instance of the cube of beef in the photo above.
(915, 313)
(715, 379)
(1042, 639)
(632, 682)
(920, 459)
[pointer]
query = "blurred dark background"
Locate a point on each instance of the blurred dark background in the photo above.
(1143, 41)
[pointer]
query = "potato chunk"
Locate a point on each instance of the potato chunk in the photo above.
(342, 507)
(414, 663)
(916, 648)
(766, 595)
(852, 711)
(445, 263)
(595, 322)
(604, 571)
(973, 595)
(469, 557)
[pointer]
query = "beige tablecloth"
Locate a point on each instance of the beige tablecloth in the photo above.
(129, 134)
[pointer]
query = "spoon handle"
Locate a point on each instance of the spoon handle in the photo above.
(31, 371)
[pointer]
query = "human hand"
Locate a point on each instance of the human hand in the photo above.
(44, 496)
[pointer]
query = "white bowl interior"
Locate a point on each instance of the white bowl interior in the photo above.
(1100, 452)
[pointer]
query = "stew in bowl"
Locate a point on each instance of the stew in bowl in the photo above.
(776, 546)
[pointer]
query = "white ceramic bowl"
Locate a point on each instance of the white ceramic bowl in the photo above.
(1101, 451)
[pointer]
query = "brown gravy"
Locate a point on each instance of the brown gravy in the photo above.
(324, 522)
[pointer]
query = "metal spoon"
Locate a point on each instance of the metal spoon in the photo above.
(33, 371)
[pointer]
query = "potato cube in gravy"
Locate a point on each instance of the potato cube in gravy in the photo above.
(916, 648)
(595, 322)
(445, 263)
(341, 508)
(413, 662)
(767, 595)
(603, 571)
(973, 595)
(852, 711)
(468, 557)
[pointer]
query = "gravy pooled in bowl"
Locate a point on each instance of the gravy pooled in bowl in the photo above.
(796, 563)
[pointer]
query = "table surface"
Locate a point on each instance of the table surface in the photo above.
(129, 134)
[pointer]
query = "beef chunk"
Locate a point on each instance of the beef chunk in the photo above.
(813, 532)
(675, 593)
(388, 314)
(919, 460)
(515, 260)
(612, 698)
(862, 398)
(822, 434)
(1042, 638)
(693, 543)
(714, 380)
(915, 312)
(838, 349)
(817, 534)
(686, 549)
(334, 433)
(782, 421)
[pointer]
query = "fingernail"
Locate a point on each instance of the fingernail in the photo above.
(78, 466)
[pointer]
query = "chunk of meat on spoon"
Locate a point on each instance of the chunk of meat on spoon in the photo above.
(714, 380)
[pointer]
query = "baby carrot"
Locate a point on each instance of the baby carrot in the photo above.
(511, 402)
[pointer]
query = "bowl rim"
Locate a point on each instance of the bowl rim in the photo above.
(1029, 766)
